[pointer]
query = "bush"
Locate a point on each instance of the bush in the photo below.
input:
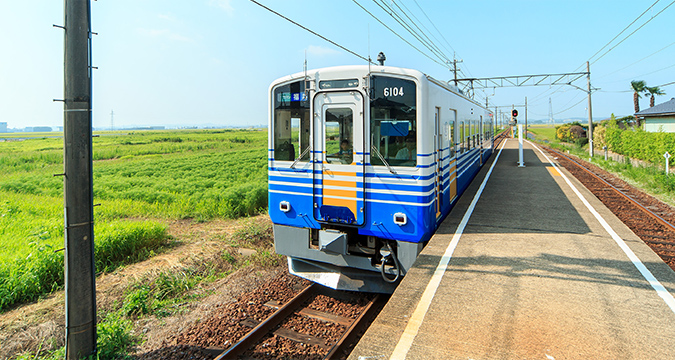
(577, 132)
(599, 136)
(570, 132)
(562, 132)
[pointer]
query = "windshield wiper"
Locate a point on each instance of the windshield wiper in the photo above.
(377, 152)
(299, 157)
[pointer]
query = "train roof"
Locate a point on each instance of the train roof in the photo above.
(344, 71)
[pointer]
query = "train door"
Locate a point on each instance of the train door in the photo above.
(438, 156)
(454, 145)
(338, 158)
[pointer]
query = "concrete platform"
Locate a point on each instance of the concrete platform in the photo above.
(533, 275)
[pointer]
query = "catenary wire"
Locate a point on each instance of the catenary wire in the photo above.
(391, 12)
(395, 33)
(634, 31)
(619, 34)
(644, 58)
(313, 32)
(415, 22)
(432, 24)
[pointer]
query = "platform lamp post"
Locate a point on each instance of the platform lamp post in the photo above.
(80, 272)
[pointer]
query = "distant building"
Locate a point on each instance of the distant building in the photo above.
(42, 128)
(3, 127)
(659, 118)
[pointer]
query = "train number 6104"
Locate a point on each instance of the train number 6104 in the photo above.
(393, 91)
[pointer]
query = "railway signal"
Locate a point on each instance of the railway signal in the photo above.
(514, 113)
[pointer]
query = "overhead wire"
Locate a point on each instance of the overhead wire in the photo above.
(639, 76)
(644, 58)
(414, 22)
(546, 93)
(468, 73)
(619, 34)
(397, 34)
(398, 18)
(432, 24)
(313, 32)
(634, 31)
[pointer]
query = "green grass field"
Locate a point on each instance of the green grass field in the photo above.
(543, 132)
(140, 179)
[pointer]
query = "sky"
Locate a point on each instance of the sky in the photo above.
(210, 62)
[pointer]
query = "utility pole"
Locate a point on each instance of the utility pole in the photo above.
(80, 272)
(526, 117)
(454, 68)
(590, 111)
(495, 119)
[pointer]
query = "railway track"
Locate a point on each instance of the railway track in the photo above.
(297, 330)
(650, 219)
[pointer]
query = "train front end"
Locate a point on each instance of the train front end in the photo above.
(350, 188)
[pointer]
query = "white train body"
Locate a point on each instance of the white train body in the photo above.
(364, 164)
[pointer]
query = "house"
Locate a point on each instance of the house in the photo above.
(659, 118)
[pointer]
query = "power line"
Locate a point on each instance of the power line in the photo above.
(313, 32)
(621, 32)
(432, 24)
(644, 58)
(391, 12)
(431, 42)
(395, 33)
(639, 76)
(562, 111)
(634, 31)
(468, 72)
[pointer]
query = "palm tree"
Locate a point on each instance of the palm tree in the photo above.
(638, 87)
(653, 91)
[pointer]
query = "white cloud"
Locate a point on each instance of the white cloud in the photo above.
(225, 5)
(321, 51)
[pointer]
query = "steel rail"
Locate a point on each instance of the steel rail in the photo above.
(626, 196)
(350, 333)
(266, 326)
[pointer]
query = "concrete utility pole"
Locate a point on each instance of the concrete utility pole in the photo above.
(80, 272)
(526, 117)
(455, 69)
(590, 111)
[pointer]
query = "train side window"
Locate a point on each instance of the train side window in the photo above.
(291, 122)
(467, 134)
(460, 139)
(480, 129)
(393, 121)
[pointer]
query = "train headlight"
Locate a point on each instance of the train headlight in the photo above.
(400, 219)
(285, 206)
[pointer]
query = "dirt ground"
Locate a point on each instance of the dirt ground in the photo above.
(41, 325)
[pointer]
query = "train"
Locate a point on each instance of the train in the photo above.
(364, 163)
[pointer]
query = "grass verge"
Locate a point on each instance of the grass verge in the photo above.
(41, 271)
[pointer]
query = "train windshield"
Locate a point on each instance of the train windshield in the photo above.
(291, 122)
(393, 120)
